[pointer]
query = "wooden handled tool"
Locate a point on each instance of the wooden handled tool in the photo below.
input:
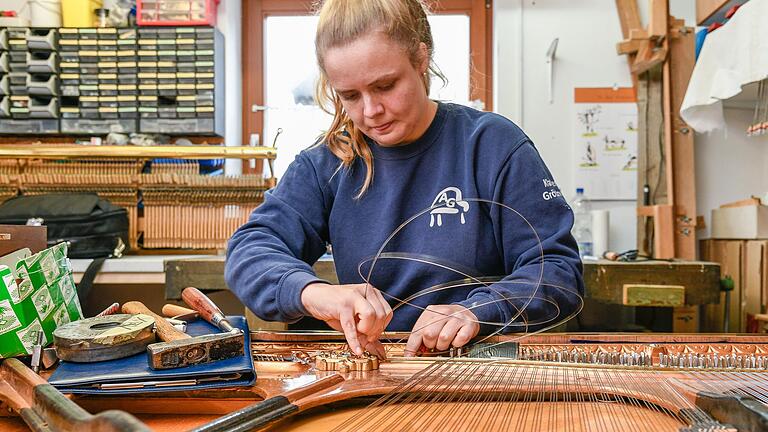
(164, 330)
(207, 309)
(179, 312)
(180, 350)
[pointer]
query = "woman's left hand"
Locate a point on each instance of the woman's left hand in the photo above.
(442, 326)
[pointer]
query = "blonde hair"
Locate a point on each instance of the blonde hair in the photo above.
(343, 21)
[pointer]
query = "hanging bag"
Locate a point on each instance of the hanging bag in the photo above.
(93, 227)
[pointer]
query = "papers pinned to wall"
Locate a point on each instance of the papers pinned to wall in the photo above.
(605, 142)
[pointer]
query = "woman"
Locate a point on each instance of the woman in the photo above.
(389, 154)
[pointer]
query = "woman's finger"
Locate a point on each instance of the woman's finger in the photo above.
(377, 348)
(347, 319)
(367, 322)
(385, 310)
(413, 344)
(375, 300)
(448, 333)
(467, 331)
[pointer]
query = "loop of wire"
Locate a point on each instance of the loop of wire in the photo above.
(517, 321)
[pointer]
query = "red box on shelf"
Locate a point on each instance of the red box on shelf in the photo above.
(176, 12)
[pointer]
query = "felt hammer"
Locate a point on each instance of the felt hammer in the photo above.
(180, 349)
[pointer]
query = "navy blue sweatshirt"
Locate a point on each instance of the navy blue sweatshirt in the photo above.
(464, 159)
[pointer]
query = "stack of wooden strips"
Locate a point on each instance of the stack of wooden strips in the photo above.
(183, 209)
(9, 178)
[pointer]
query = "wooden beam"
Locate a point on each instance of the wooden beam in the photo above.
(630, 46)
(638, 33)
(648, 57)
(664, 225)
(629, 16)
(682, 59)
(663, 216)
(658, 21)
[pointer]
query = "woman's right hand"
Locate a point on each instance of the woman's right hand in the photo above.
(361, 314)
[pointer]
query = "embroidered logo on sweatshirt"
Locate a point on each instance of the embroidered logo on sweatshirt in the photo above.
(448, 202)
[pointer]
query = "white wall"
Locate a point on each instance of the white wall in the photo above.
(729, 165)
(588, 31)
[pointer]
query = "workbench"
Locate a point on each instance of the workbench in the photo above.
(681, 285)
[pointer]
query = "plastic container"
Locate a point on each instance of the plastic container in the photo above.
(582, 223)
(176, 12)
(45, 13)
(79, 13)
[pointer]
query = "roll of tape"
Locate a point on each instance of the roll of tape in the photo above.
(104, 338)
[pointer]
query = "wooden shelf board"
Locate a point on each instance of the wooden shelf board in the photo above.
(709, 11)
(68, 151)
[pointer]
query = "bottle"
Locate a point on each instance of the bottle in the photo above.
(582, 223)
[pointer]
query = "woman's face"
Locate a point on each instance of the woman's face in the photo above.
(380, 89)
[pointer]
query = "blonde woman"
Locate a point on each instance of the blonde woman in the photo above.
(390, 153)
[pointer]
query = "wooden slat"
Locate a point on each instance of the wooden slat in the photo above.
(628, 46)
(663, 239)
(706, 8)
(629, 16)
(658, 19)
(669, 157)
(648, 58)
(682, 43)
(133, 152)
(709, 11)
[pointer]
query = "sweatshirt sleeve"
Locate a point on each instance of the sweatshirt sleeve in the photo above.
(544, 281)
(269, 258)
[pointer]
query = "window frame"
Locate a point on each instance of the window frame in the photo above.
(254, 13)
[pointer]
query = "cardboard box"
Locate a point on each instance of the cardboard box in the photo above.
(747, 222)
(15, 237)
(37, 295)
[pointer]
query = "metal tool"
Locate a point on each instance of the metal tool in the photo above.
(37, 349)
(207, 309)
(180, 349)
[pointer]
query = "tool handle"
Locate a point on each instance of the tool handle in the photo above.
(164, 330)
(173, 311)
(202, 304)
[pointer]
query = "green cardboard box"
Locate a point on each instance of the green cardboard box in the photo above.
(41, 297)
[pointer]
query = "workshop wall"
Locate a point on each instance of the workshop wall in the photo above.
(588, 31)
(729, 165)
(586, 56)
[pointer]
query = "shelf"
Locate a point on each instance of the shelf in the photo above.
(66, 151)
(129, 270)
(709, 11)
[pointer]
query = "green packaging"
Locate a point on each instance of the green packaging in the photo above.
(41, 297)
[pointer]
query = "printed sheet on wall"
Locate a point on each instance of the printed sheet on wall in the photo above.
(605, 142)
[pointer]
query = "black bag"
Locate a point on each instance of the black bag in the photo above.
(94, 227)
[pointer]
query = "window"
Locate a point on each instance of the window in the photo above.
(280, 70)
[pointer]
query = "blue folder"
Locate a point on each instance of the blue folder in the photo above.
(133, 374)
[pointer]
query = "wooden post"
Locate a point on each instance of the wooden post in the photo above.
(670, 216)
(682, 59)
